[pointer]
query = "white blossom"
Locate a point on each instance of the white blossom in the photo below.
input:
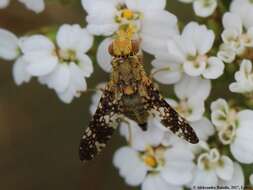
(62, 66)
(244, 78)
(212, 167)
(35, 5)
(191, 105)
(203, 8)
(191, 48)
(9, 48)
(243, 8)
(234, 37)
(67, 76)
(215, 169)
(166, 70)
(150, 22)
(234, 129)
(155, 164)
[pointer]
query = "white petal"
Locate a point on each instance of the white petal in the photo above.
(130, 166)
(237, 178)
(67, 96)
(194, 69)
(157, 26)
(204, 8)
(203, 128)
(73, 37)
(101, 16)
(205, 178)
(178, 158)
(245, 116)
(219, 104)
(152, 182)
(226, 53)
(197, 109)
(77, 78)
(85, 64)
(4, 3)
(226, 170)
(215, 68)
(36, 43)
(240, 147)
(40, 63)
(232, 21)
(34, 5)
(142, 5)
(200, 87)
(103, 57)
(166, 72)
(59, 79)
(175, 49)
(204, 39)
(8, 45)
(19, 72)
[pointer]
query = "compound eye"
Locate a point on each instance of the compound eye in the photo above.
(110, 50)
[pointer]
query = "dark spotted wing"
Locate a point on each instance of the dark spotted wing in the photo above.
(169, 117)
(100, 128)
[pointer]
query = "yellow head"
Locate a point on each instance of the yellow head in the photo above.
(123, 45)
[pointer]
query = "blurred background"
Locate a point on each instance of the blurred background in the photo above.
(39, 135)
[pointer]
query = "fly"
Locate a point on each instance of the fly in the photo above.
(129, 93)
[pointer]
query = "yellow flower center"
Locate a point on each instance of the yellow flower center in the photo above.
(150, 161)
(127, 14)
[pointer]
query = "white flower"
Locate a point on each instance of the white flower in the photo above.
(140, 139)
(63, 67)
(243, 138)
(212, 167)
(234, 36)
(35, 5)
(191, 105)
(67, 75)
(234, 129)
(237, 179)
(150, 21)
(155, 166)
(203, 8)
(244, 78)
(39, 53)
(19, 71)
(243, 8)
(191, 48)
(226, 53)
(9, 49)
(166, 71)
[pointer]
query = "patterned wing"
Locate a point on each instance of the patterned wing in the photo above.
(169, 117)
(100, 128)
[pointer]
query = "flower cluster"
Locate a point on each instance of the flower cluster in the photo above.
(201, 62)
(62, 66)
